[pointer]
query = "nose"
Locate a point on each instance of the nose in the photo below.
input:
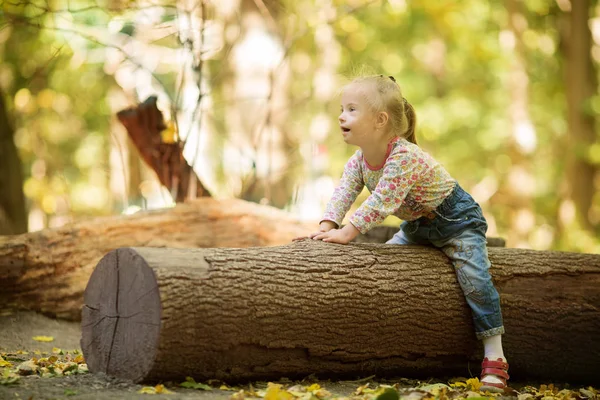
(341, 117)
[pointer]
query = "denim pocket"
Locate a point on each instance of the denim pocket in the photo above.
(468, 288)
(447, 219)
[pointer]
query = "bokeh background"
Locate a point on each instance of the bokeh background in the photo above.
(506, 94)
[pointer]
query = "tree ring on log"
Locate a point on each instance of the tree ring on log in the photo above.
(122, 311)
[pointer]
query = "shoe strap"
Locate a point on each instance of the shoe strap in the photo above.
(500, 373)
(494, 364)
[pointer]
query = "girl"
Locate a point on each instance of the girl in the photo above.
(407, 182)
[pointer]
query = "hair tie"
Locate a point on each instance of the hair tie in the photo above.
(392, 78)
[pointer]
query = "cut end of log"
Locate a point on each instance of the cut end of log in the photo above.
(121, 316)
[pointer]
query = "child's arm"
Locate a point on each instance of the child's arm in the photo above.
(343, 196)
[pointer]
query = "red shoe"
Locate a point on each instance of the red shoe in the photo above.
(497, 368)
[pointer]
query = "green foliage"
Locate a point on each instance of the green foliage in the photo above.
(458, 63)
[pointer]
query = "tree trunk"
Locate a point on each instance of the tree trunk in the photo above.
(581, 85)
(13, 216)
(310, 307)
(144, 125)
(47, 271)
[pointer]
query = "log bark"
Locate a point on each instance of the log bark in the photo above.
(332, 310)
(47, 271)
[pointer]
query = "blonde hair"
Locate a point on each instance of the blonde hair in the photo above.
(389, 98)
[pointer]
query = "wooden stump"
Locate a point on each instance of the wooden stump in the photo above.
(309, 307)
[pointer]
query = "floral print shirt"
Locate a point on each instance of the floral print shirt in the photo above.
(408, 185)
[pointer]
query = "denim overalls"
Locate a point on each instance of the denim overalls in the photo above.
(458, 228)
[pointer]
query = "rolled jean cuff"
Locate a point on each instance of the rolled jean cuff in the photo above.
(490, 332)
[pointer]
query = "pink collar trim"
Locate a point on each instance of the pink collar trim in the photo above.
(387, 154)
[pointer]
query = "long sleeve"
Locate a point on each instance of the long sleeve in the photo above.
(346, 193)
(401, 171)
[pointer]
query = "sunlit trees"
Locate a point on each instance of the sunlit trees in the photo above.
(505, 94)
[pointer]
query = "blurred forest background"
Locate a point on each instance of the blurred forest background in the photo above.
(505, 92)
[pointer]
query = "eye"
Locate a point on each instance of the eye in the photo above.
(352, 108)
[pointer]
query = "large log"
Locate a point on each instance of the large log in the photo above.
(47, 271)
(332, 310)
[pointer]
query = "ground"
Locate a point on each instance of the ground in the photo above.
(17, 330)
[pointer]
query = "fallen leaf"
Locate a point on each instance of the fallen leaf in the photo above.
(43, 338)
(589, 392)
(275, 392)
(190, 383)
(8, 377)
(147, 390)
(161, 389)
(387, 394)
(313, 387)
(473, 384)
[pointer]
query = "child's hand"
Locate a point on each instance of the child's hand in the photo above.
(341, 236)
(324, 226)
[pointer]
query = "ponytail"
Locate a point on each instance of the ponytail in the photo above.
(411, 118)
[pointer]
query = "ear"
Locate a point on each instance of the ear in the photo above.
(382, 119)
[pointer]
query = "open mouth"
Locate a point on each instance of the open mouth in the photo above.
(345, 130)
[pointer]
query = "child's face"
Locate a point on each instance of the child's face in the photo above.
(357, 120)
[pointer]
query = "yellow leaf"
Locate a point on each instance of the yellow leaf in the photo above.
(56, 350)
(4, 363)
(161, 389)
(313, 387)
(147, 390)
(473, 384)
(43, 338)
(79, 359)
(275, 392)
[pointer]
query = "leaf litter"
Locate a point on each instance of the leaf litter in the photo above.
(14, 366)
(58, 363)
